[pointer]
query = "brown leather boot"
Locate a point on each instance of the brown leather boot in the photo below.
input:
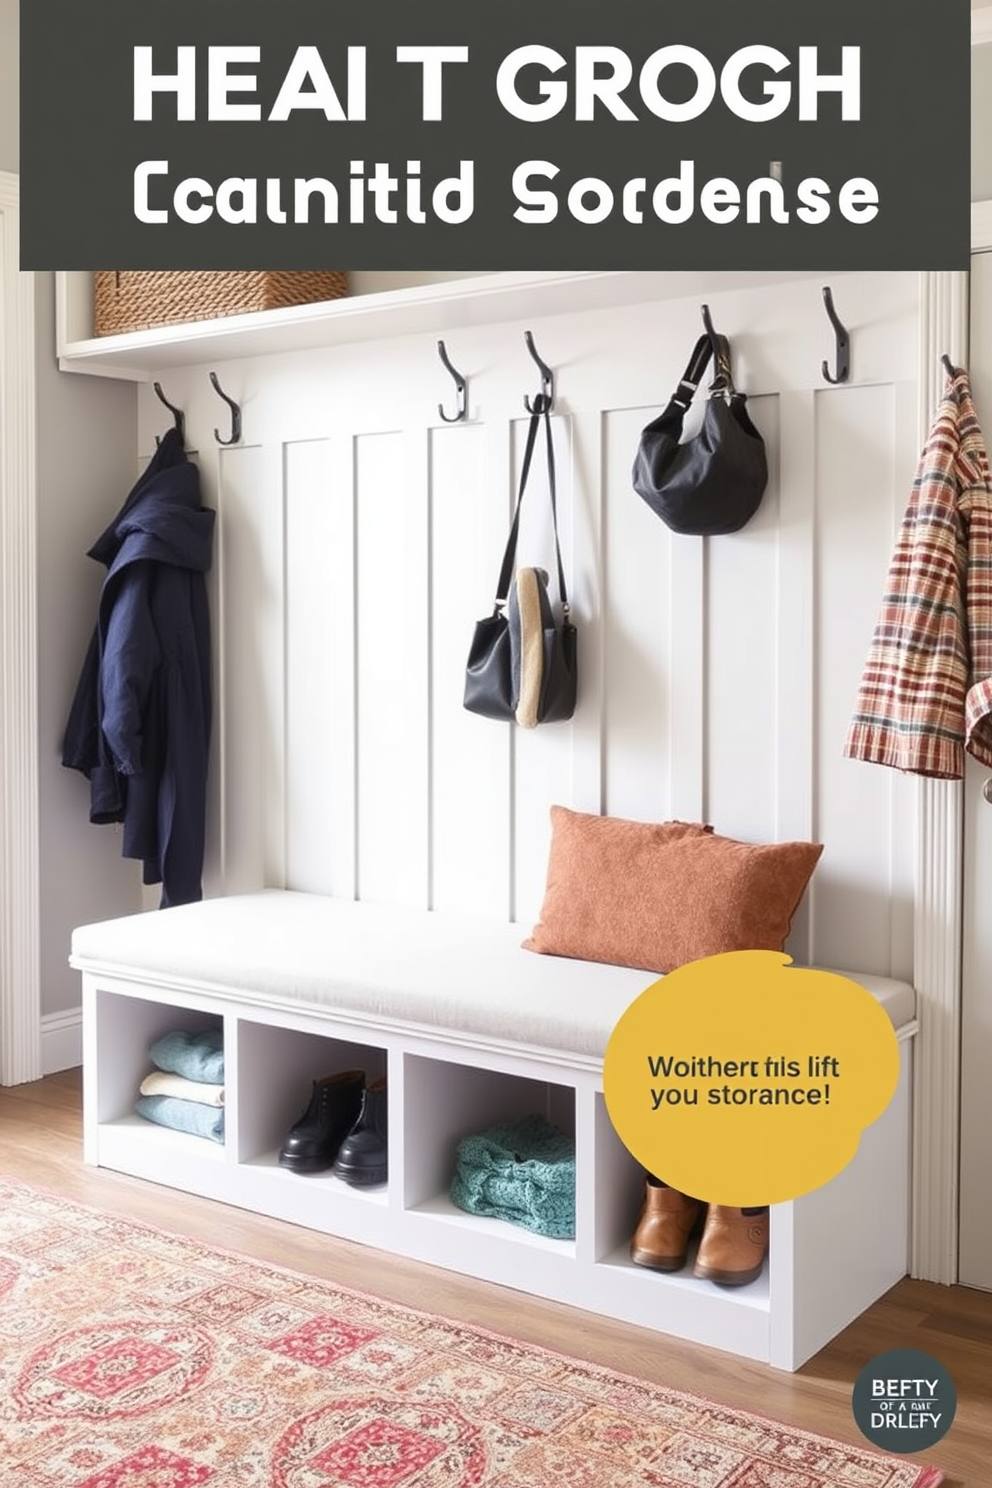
(734, 1245)
(661, 1238)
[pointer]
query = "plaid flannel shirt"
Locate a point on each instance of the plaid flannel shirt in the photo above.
(926, 690)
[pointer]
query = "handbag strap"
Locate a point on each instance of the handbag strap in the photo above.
(541, 410)
(717, 347)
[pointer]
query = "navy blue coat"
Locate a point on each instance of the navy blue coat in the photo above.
(139, 726)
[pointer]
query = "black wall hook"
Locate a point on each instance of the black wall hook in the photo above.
(235, 414)
(949, 367)
(843, 341)
(547, 376)
(460, 389)
(179, 418)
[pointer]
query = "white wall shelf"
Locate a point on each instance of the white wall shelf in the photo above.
(420, 309)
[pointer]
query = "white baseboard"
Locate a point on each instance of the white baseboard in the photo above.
(61, 1040)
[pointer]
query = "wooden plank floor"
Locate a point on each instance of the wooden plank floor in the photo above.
(41, 1142)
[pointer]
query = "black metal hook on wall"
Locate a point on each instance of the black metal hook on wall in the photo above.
(235, 413)
(460, 389)
(949, 367)
(178, 417)
(547, 376)
(843, 341)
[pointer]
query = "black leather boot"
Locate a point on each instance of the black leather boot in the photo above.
(312, 1144)
(361, 1159)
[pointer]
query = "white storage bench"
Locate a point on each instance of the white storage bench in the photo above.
(468, 1028)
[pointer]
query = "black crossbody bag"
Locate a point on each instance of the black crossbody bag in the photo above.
(522, 663)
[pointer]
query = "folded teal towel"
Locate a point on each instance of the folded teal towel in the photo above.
(183, 1115)
(196, 1056)
(521, 1171)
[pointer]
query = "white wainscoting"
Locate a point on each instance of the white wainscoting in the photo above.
(360, 537)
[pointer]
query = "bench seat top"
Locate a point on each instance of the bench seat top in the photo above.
(386, 965)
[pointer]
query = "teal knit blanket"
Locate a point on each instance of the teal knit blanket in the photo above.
(521, 1171)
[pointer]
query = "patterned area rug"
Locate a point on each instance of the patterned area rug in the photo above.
(132, 1358)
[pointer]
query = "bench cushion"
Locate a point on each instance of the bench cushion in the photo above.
(386, 965)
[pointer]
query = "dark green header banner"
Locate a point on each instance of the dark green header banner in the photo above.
(440, 134)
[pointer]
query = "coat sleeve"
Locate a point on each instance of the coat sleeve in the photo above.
(131, 657)
(978, 710)
(910, 708)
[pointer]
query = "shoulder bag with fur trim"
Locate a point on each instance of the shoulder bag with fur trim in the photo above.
(522, 662)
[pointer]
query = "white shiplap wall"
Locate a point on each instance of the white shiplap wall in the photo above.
(360, 537)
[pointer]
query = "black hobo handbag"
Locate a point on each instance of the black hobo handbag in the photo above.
(522, 663)
(714, 482)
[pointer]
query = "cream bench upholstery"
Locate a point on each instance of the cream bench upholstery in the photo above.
(468, 1028)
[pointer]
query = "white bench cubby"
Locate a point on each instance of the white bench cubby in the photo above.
(305, 993)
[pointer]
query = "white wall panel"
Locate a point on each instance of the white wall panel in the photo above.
(213, 858)
(319, 679)
(742, 662)
(792, 464)
(716, 676)
(638, 555)
(903, 790)
(542, 757)
(392, 672)
(858, 477)
(582, 536)
(687, 782)
(470, 756)
(250, 637)
(792, 461)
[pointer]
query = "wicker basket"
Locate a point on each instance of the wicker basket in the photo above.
(131, 301)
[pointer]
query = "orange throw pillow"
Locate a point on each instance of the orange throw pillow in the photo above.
(656, 895)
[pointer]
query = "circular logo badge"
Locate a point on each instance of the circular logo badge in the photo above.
(904, 1401)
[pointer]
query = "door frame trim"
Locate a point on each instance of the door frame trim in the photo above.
(20, 931)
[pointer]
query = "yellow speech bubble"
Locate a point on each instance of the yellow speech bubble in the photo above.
(743, 1080)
